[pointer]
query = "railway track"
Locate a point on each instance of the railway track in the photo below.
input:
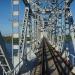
(51, 62)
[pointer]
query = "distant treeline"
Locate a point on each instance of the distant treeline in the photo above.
(68, 38)
(8, 39)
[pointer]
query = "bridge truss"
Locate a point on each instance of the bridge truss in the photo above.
(50, 18)
(55, 24)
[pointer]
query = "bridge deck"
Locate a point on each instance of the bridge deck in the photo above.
(50, 62)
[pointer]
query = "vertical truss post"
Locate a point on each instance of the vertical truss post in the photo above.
(35, 30)
(35, 23)
(51, 27)
(54, 21)
(23, 39)
(68, 16)
(29, 37)
(15, 31)
(38, 28)
(59, 29)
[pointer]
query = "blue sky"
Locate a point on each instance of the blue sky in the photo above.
(5, 15)
(73, 10)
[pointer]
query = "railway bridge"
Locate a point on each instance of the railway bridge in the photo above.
(41, 42)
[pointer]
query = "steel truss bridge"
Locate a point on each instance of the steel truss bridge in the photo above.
(46, 26)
